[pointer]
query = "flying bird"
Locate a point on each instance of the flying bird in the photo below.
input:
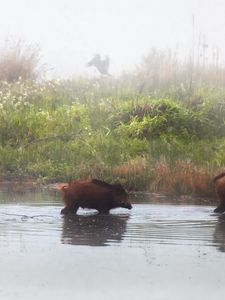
(102, 65)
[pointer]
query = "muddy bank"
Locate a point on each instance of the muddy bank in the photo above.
(31, 185)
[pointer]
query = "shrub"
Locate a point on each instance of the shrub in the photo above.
(18, 60)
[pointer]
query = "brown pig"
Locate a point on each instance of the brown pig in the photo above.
(93, 194)
(219, 182)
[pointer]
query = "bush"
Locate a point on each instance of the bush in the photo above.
(18, 60)
(165, 117)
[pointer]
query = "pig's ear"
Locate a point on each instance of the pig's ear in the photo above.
(64, 188)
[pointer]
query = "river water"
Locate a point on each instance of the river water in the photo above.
(158, 250)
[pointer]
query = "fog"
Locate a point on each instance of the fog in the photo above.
(71, 32)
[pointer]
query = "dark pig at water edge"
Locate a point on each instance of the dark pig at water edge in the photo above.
(219, 182)
(93, 194)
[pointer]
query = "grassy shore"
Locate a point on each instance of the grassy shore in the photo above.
(107, 128)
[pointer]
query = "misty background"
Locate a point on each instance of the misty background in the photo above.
(69, 33)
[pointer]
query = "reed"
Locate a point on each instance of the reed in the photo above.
(19, 60)
(134, 174)
(181, 178)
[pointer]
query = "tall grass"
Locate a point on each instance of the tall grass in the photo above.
(181, 178)
(19, 60)
(167, 71)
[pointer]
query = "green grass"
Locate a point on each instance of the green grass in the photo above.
(58, 131)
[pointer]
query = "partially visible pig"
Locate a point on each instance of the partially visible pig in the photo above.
(219, 182)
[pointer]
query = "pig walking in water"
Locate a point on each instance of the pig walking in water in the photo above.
(219, 182)
(94, 194)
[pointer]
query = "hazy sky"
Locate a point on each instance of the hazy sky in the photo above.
(70, 32)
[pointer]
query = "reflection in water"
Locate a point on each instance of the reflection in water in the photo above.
(93, 230)
(219, 234)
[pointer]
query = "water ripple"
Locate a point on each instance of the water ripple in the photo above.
(146, 224)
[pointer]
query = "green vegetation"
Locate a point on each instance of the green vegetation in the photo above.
(159, 138)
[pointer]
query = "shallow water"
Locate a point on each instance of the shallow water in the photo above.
(155, 251)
